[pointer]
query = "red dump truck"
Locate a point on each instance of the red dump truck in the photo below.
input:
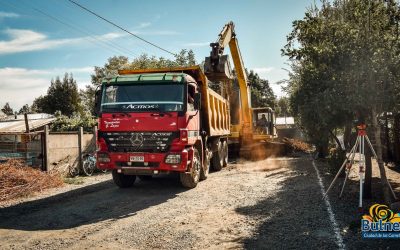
(155, 121)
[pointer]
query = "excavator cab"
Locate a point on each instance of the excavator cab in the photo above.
(263, 123)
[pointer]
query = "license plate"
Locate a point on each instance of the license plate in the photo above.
(136, 158)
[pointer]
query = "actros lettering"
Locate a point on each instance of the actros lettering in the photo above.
(141, 106)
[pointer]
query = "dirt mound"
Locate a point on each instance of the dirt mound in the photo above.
(297, 145)
(18, 180)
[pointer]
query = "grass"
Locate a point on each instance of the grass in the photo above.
(74, 181)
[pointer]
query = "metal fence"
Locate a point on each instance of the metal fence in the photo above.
(46, 149)
(22, 146)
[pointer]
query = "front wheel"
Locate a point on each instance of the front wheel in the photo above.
(123, 181)
(190, 179)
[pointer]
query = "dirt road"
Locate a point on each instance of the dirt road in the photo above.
(269, 204)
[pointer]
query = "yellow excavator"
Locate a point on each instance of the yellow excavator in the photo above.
(249, 126)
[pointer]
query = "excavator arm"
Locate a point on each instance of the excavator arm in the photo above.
(217, 68)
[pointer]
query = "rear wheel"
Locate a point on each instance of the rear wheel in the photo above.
(225, 153)
(220, 157)
(190, 179)
(123, 181)
(206, 166)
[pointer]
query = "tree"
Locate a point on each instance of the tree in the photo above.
(262, 94)
(345, 67)
(61, 96)
(25, 110)
(7, 109)
(283, 108)
(39, 104)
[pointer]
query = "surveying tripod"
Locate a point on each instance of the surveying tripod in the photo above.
(349, 161)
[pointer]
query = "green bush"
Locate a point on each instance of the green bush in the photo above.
(65, 123)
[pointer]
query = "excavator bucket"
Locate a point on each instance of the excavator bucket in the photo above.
(218, 69)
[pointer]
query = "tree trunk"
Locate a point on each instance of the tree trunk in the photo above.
(396, 139)
(347, 136)
(323, 147)
(387, 191)
(368, 172)
(336, 140)
(388, 154)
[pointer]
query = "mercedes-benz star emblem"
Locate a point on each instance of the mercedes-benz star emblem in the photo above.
(136, 140)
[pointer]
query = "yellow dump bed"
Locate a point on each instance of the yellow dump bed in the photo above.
(215, 114)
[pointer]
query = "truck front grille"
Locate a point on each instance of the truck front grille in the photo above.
(138, 141)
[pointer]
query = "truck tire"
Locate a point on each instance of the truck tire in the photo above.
(225, 153)
(206, 166)
(123, 181)
(190, 180)
(220, 157)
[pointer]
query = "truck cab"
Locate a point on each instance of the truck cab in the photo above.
(154, 122)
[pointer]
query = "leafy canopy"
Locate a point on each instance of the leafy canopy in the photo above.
(345, 61)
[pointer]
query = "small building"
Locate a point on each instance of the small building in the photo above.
(286, 127)
(284, 122)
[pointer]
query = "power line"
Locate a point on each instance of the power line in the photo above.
(112, 46)
(64, 4)
(107, 45)
(119, 27)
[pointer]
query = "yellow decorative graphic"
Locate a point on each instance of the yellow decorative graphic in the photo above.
(381, 212)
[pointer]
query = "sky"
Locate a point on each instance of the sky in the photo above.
(42, 39)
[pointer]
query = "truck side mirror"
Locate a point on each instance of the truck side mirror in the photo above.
(197, 101)
(97, 102)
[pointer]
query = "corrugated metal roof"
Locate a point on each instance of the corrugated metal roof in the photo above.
(30, 117)
(18, 125)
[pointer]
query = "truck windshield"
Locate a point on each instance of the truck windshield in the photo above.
(142, 97)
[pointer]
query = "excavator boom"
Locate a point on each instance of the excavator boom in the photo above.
(252, 129)
(217, 68)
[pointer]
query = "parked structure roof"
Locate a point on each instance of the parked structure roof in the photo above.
(16, 124)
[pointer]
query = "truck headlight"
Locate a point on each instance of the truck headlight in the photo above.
(173, 159)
